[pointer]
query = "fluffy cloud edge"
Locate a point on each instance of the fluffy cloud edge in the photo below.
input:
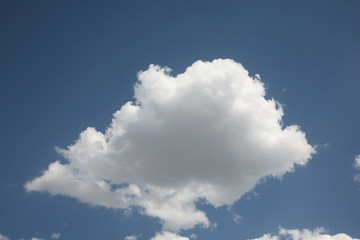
(357, 167)
(165, 235)
(304, 234)
(357, 162)
(3, 237)
(215, 106)
(55, 236)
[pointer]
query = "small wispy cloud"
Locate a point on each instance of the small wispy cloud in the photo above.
(357, 162)
(193, 236)
(55, 236)
(237, 218)
(357, 167)
(132, 237)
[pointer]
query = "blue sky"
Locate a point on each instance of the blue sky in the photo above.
(69, 65)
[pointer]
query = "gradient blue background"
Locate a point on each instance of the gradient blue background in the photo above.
(66, 65)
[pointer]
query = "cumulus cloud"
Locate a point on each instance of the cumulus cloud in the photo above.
(305, 234)
(168, 236)
(208, 133)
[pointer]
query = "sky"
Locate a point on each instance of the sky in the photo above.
(179, 120)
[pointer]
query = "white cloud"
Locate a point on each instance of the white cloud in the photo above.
(357, 162)
(193, 236)
(132, 237)
(267, 237)
(168, 236)
(55, 236)
(208, 133)
(237, 218)
(357, 177)
(357, 167)
(305, 234)
(2, 237)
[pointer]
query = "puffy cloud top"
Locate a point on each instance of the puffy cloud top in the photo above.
(168, 236)
(305, 234)
(208, 133)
